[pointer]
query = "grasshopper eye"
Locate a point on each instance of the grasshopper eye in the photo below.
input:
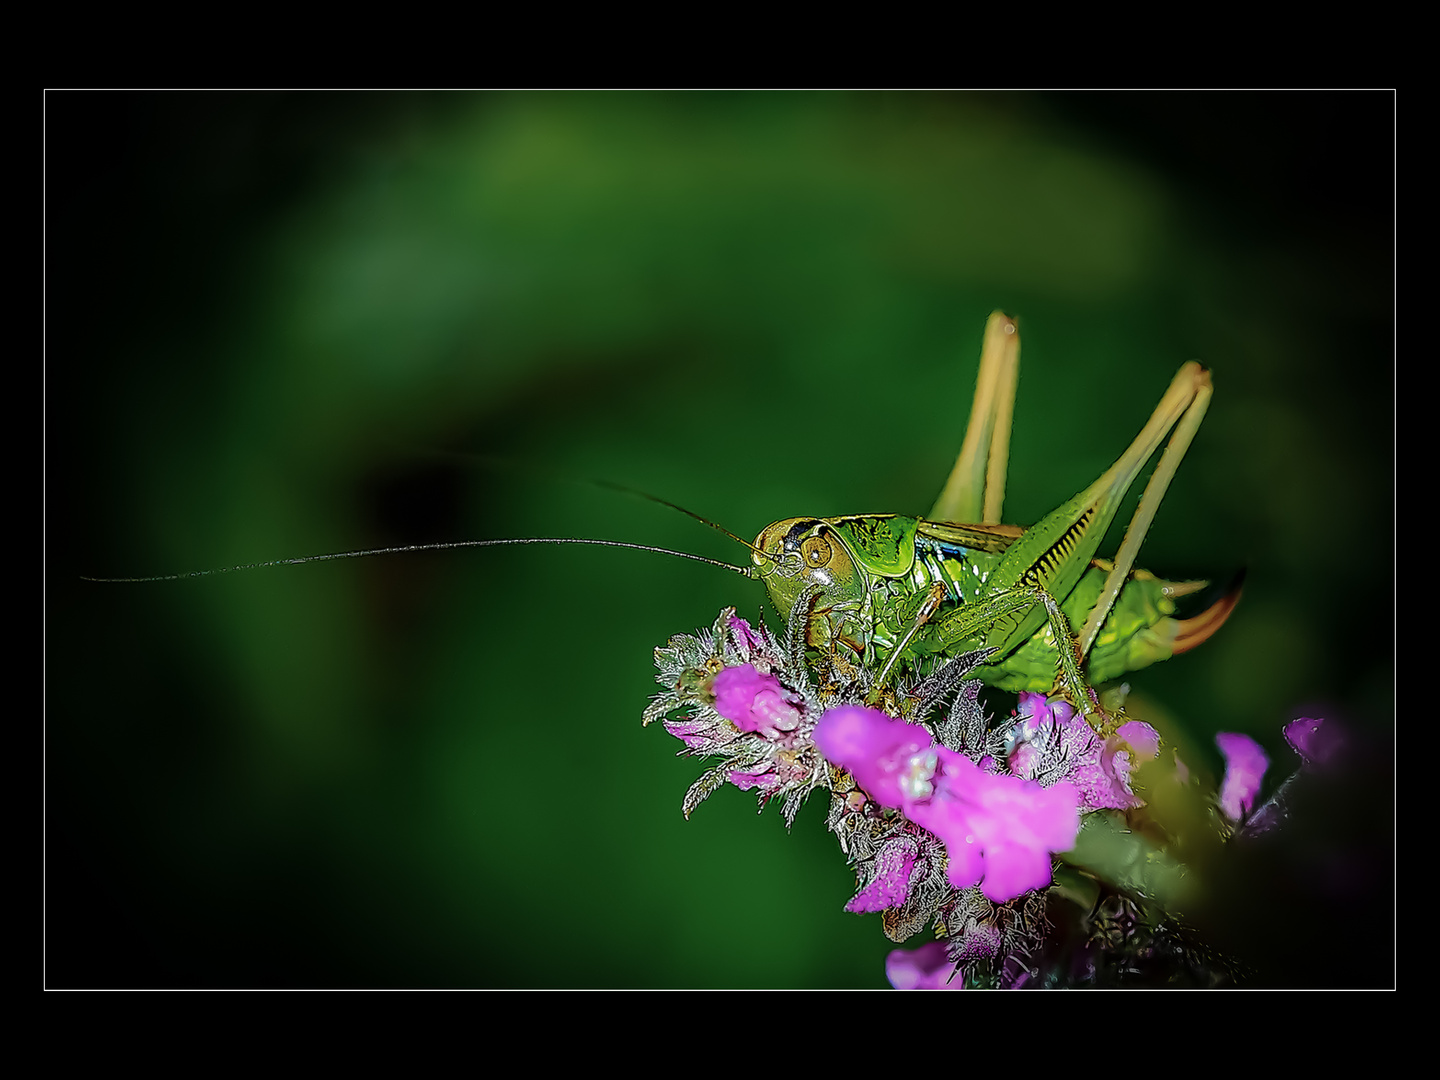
(815, 551)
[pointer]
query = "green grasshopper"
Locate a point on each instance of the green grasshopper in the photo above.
(906, 593)
(910, 592)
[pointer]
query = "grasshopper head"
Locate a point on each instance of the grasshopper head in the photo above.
(797, 552)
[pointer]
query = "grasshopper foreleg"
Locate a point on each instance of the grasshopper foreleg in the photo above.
(1071, 662)
(797, 633)
(933, 599)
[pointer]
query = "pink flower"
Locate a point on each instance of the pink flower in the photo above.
(754, 702)
(894, 865)
(925, 968)
(876, 749)
(999, 831)
(1132, 743)
(1050, 743)
(1142, 737)
(1317, 741)
(1245, 765)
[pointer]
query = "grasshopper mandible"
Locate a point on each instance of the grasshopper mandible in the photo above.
(909, 592)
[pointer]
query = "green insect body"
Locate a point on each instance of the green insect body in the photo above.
(891, 592)
(896, 559)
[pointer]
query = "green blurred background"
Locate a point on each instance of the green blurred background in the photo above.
(284, 324)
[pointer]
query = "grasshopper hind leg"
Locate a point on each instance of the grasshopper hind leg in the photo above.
(1192, 384)
(975, 489)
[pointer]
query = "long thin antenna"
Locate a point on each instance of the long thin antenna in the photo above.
(688, 513)
(497, 461)
(744, 571)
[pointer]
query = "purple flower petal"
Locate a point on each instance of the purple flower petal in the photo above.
(1132, 743)
(754, 702)
(1315, 740)
(999, 831)
(874, 748)
(925, 968)
(1025, 760)
(745, 781)
(1140, 735)
(894, 865)
(1245, 765)
(1012, 870)
(696, 734)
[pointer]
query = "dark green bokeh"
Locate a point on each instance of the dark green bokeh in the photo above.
(291, 324)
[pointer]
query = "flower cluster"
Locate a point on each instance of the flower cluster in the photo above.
(939, 828)
(958, 822)
(730, 680)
